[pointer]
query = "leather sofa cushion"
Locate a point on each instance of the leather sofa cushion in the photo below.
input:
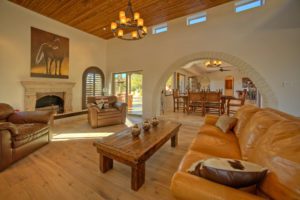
(255, 129)
(30, 117)
(283, 114)
(279, 151)
(212, 141)
(244, 115)
(5, 111)
(29, 132)
(109, 110)
(109, 113)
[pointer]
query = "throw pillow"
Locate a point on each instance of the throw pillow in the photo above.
(98, 101)
(230, 172)
(226, 123)
(100, 105)
(106, 105)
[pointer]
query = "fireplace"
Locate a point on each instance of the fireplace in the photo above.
(51, 103)
(59, 95)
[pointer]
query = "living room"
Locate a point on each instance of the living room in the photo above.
(261, 43)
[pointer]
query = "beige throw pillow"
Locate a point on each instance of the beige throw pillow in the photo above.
(226, 123)
(230, 172)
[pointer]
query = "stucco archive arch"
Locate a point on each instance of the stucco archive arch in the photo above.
(268, 96)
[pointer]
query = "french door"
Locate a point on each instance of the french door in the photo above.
(127, 86)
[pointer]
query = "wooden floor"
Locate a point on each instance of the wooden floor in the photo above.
(67, 168)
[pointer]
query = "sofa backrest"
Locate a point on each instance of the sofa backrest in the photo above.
(5, 111)
(271, 138)
(279, 150)
(257, 126)
(244, 115)
(110, 99)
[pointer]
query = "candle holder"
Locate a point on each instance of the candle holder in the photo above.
(146, 125)
(135, 131)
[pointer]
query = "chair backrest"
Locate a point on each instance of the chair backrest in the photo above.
(213, 96)
(196, 96)
(176, 93)
(243, 97)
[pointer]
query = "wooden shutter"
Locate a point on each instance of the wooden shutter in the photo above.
(93, 80)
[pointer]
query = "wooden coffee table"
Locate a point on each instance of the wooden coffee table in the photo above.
(134, 152)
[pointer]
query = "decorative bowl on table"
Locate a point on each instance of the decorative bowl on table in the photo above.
(135, 131)
(146, 125)
(154, 122)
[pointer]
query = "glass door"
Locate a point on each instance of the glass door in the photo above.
(120, 86)
(127, 86)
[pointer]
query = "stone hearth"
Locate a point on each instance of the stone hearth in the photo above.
(37, 89)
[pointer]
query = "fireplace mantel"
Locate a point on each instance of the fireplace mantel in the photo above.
(32, 88)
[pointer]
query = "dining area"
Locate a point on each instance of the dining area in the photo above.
(207, 102)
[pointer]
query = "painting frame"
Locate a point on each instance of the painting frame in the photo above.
(49, 55)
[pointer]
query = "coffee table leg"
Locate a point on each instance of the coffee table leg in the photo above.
(137, 176)
(105, 163)
(174, 140)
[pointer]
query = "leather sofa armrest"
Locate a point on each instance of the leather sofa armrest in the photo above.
(93, 111)
(30, 117)
(120, 106)
(9, 126)
(6, 157)
(211, 119)
(189, 187)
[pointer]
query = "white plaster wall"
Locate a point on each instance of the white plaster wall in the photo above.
(15, 22)
(217, 80)
(265, 38)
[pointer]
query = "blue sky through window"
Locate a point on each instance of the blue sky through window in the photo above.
(160, 29)
(247, 6)
(196, 20)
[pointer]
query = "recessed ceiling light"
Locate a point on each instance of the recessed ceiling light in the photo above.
(104, 28)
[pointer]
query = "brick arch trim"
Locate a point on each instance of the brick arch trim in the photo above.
(246, 70)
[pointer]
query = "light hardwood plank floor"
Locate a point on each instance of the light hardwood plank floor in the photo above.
(67, 168)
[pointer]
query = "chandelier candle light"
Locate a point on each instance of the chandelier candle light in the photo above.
(213, 63)
(129, 21)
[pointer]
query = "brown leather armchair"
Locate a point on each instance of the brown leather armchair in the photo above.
(114, 114)
(21, 133)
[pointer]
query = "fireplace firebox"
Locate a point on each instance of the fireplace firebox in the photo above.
(50, 102)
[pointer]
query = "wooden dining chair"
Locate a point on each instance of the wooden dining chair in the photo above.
(234, 103)
(178, 101)
(196, 101)
(213, 102)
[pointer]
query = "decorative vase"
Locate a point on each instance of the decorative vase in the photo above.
(146, 125)
(155, 121)
(135, 131)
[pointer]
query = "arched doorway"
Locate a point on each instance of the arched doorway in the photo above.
(268, 96)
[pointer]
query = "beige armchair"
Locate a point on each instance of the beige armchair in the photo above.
(113, 113)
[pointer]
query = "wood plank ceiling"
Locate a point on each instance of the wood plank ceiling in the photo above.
(95, 16)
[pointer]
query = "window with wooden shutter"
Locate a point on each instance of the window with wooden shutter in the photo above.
(92, 84)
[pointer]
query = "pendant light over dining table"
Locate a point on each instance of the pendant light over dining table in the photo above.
(129, 26)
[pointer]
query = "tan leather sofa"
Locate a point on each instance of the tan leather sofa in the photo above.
(265, 136)
(115, 114)
(21, 133)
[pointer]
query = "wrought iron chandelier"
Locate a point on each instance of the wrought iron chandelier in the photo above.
(129, 22)
(213, 63)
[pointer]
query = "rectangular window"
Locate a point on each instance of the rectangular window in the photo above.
(243, 5)
(200, 17)
(160, 28)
